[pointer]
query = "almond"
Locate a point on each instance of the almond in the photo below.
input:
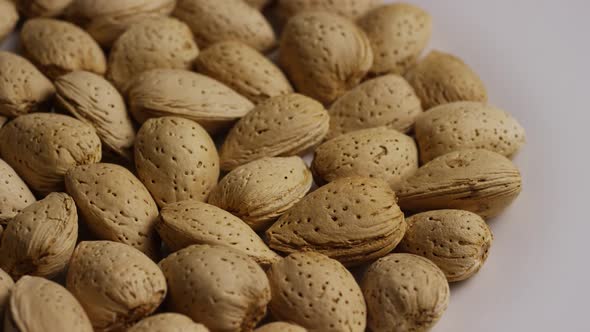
(479, 181)
(353, 220)
(23, 89)
(40, 240)
(281, 126)
(215, 21)
(456, 241)
(190, 222)
(154, 43)
(467, 125)
(387, 101)
(442, 78)
(376, 153)
(38, 304)
(14, 193)
(57, 48)
(6, 285)
(404, 292)
(182, 93)
(115, 205)
(260, 191)
(352, 9)
(176, 160)
(398, 34)
(43, 8)
(42, 147)
(280, 327)
(259, 4)
(92, 99)
(168, 322)
(243, 69)
(9, 18)
(105, 21)
(116, 284)
(203, 278)
(324, 72)
(317, 293)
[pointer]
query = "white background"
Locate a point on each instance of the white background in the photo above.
(533, 56)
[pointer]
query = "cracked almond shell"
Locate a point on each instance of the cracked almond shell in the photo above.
(478, 181)
(353, 220)
(281, 126)
(351, 9)
(260, 191)
(9, 18)
(116, 284)
(14, 193)
(204, 278)
(167, 322)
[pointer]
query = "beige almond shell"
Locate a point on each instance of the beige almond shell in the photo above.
(40, 240)
(353, 220)
(467, 125)
(14, 193)
(42, 147)
(387, 100)
(115, 205)
(94, 100)
(216, 286)
(441, 78)
(317, 293)
(23, 88)
(9, 18)
(116, 284)
(280, 327)
(281, 126)
(215, 21)
(189, 222)
(154, 43)
(260, 191)
(57, 47)
(6, 285)
(170, 92)
(351, 9)
(398, 33)
(479, 181)
(176, 160)
(404, 292)
(37, 304)
(324, 55)
(42, 8)
(167, 322)
(243, 69)
(259, 4)
(105, 21)
(456, 241)
(376, 153)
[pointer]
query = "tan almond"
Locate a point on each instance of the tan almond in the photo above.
(40, 240)
(478, 181)
(281, 126)
(191, 222)
(58, 47)
(215, 21)
(9, 18)
(317, 293)
(14, 193)
(93, 100)
(162, 42)
(166, 92)
(404, 292)
(42, 147)
(243, 69)
(176, 160)
(280, 327)
(42, 8)
(23, 89)
(351, 9)
(105, 21)
(37, 304)
(467, 125)
(376, 153)
(456, 241)
(442, 78)
(116, 284)
(168, 322)
(6, 285)
(353, 220)
(260, 191)
(398, 33)
(204, 278)
(115, 205)
(324, 72)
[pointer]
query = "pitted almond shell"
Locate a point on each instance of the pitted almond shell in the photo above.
(9, 18)
(167, 322)
(42, 8)
(351, 9)
(14, 193)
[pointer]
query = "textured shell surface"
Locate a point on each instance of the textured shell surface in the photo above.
(14, 193)
(42, 8)
(9, 18)
(167, 322)
(280, 327)
(352, 9)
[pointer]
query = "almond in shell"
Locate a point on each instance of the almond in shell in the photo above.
(6, 285)
(167, 322)
(280, 327)
(352, 9)
(259, 4)
(42, 8)
(14, 193)
(9, 18)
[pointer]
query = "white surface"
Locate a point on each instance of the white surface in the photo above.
(533, 57)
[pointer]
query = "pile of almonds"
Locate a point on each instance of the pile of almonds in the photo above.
(151, 176)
